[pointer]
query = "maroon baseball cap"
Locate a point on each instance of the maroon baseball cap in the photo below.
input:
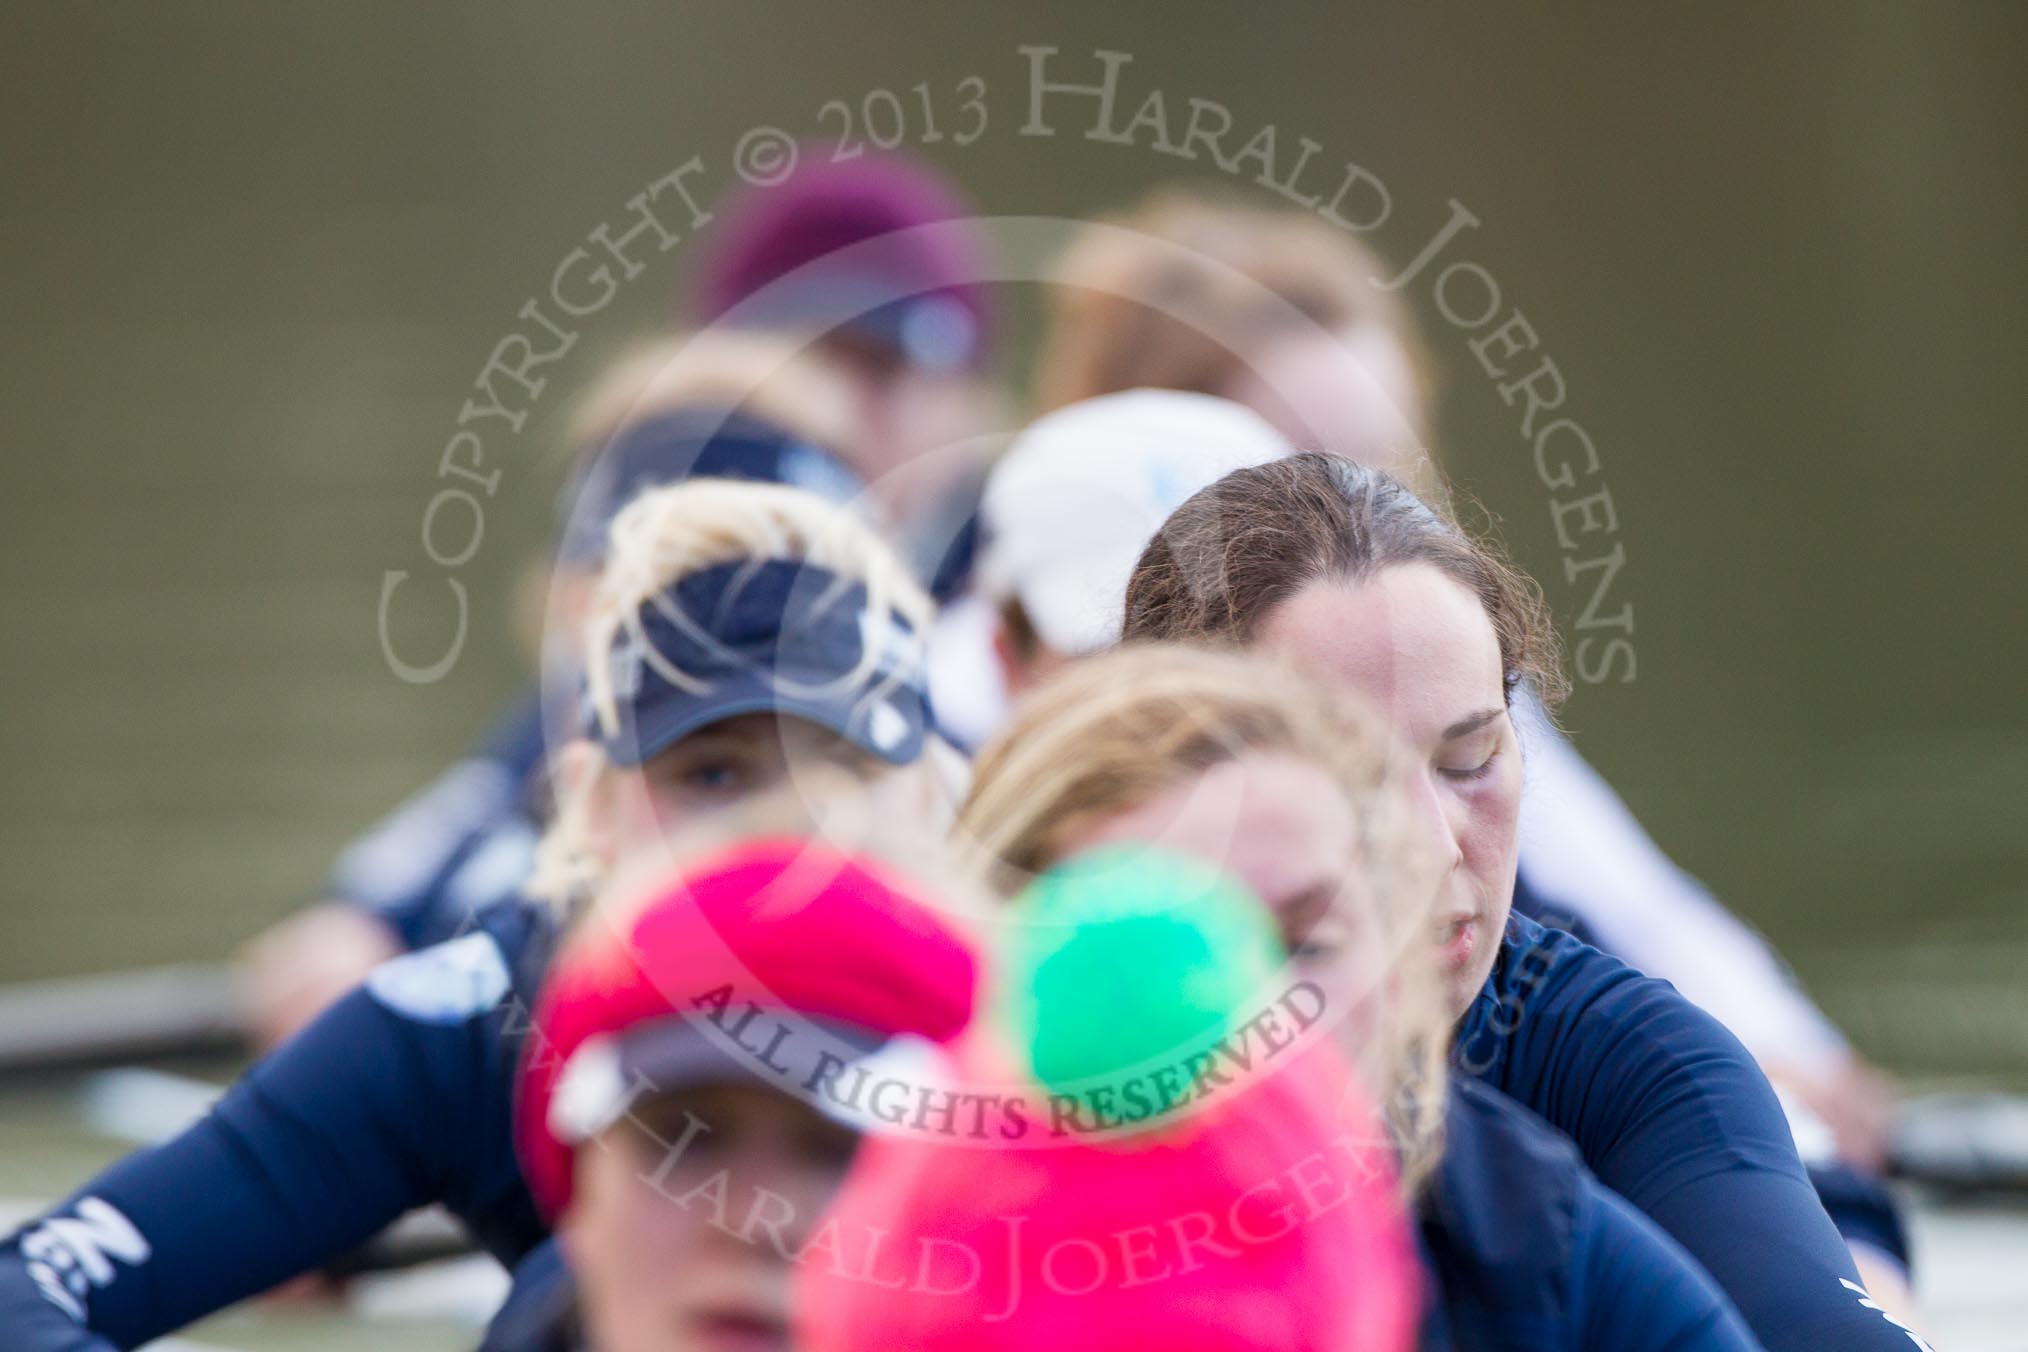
(881, 246)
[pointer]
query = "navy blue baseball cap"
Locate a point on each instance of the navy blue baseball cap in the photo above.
(771, 636)
(692, 443)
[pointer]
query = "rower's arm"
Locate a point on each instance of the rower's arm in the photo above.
(1641, 1292)
(313, 1151)
(1671, 1113)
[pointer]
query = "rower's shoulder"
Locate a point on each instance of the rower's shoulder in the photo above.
(1551, 997)
(472, 975)
(1545, 961)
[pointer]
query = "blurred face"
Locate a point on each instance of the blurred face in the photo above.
(1350, 393)
(684, 1220)
(719, 767)
(918, 426)
(740, 757)
(1024, 664)
(1280, 825)
(1419, 648)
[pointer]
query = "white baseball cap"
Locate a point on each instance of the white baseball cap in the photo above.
(1079, 494)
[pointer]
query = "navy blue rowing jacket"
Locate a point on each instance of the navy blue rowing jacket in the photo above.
(1529, 1252)
(1671, 1113)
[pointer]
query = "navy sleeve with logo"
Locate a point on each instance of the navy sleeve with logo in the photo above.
(397, 1097)
(1670, 1112)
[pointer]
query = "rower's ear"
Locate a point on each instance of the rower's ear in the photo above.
(579, 844)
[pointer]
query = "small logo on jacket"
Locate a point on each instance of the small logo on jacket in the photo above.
(67, 1256)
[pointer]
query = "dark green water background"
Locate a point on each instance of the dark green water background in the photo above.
(255, 254)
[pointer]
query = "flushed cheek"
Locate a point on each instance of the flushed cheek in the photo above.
(644, 809)
(1489, 840)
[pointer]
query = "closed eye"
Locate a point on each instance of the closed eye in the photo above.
(1465, 774)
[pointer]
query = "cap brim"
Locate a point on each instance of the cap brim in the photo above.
(673, 1055)
(702, 442)
(893, 727)
(913, 320)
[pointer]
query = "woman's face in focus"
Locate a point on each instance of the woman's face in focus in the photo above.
(686, 1218)
(1417, 646)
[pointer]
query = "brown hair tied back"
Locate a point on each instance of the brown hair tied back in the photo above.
(1238, 549)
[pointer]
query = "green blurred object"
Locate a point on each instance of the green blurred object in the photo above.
(1130, 957)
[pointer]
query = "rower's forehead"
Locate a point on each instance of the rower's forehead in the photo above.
(1411, 639)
